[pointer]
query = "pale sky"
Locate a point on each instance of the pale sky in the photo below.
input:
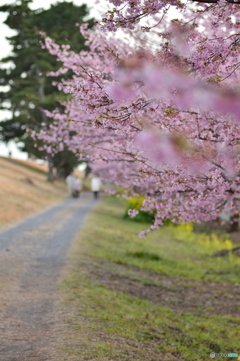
(6, 49)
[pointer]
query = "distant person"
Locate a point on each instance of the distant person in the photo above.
(95, 186)
(10, 154)
(77, 187)
(70, 180)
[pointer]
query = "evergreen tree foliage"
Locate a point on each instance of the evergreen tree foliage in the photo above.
(29, 88)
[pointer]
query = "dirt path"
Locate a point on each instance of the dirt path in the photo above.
(31, 258)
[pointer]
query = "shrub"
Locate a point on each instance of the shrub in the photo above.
(142, 216)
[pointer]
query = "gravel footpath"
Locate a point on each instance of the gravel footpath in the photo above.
(32, 256)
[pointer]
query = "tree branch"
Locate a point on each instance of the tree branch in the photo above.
(216, 1)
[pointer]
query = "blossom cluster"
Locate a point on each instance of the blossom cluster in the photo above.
(158, 115)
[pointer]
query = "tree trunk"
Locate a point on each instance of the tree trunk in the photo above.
(50, 169)
(88, 170)
(234, 224)
(41, 93)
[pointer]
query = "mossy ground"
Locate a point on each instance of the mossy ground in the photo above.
(154, 299)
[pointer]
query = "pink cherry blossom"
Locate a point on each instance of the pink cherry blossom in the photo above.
(158, 114)
(132, 212)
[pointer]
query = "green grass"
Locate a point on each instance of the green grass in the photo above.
(117, 241)
(107, 323)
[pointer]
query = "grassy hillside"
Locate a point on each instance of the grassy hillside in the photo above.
(163, 298)
(24, 190)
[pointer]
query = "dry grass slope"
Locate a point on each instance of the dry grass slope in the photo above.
(24, 190)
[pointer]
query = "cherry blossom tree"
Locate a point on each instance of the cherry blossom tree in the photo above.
(158, 111)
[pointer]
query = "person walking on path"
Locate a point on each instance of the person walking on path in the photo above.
(77, 187)
(70, 180)
(95, 186)
(74, 185)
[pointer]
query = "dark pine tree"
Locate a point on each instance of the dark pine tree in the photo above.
(29, 88)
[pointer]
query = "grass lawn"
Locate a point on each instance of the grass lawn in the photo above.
(160, 298)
